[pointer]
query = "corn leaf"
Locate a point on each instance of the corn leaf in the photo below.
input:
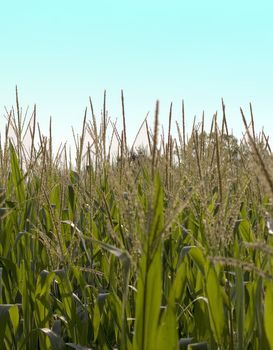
(216, 307)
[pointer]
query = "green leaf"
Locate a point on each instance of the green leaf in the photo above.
(216, 307)
(240, 306)
(149, 284)
(148, 302)
(180, 280)
(125, 260)
(268, 313)
(198, 258)
(81, 236)
(245, 231)
(8, 312)
(42, 309)
(167, 331)
(74, 177)
(16, 175)
(14, 317)
(66, 291)
(250, 321)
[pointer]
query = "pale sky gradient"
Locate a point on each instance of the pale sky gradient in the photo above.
(61, 52)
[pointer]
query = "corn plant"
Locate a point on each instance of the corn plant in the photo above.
(167, 246)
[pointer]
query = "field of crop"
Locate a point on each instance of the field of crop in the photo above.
(164, 247)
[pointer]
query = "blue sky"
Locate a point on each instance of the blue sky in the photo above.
(61, 52)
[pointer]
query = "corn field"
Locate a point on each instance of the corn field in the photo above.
(168, 246)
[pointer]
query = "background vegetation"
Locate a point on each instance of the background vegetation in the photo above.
(163, 247)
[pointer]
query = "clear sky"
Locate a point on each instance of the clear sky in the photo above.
(61, 52)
